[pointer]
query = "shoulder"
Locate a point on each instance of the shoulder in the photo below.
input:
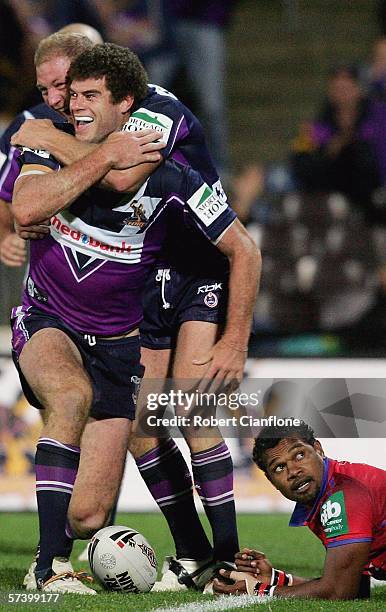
(43, 111)
(36, 161)
(13, 128)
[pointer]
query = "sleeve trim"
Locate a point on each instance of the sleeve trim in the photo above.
(344, 542)
(217, 240)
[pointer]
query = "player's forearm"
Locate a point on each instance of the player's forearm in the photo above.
(67, 150)
(130, 179)
(64, 147)
(38, 197)
(314, 589)
(245, 269)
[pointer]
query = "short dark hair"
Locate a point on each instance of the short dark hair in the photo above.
(123, 71)
(270, 436)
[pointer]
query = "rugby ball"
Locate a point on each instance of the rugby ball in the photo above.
(121, 559)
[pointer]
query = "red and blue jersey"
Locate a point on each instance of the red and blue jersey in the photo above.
(350, 508)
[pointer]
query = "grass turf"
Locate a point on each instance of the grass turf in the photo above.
(294, 549)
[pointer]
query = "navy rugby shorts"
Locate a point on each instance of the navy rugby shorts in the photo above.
(171, 298)
(113, 365)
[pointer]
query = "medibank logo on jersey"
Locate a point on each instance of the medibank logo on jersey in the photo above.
(207, 206)
(78, 236)
(333, 515)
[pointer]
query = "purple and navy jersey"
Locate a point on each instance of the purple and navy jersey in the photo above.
(91, 270)
(185, 143)
(9, 166)
(350, 508)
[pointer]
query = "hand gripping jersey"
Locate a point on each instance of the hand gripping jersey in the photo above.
(185, 143)
(92, 268)
(9, 167)
(350, 508)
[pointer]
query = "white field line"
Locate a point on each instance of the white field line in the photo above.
(228, 602)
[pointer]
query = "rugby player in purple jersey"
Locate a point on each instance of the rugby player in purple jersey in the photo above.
(184, 315)
(52, 59)
(81, 307)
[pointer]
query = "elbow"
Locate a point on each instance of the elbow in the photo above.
(335, 591)
(119, 185)
(252, 251)
(21, 214)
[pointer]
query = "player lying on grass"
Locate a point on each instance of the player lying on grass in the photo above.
(343, 503)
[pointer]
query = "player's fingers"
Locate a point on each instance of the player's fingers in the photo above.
(231, 382)
(206, 382)
(244, 566)
(257, 554)
(152, 138)
(234, 575)
(218, 382)
(147, 135)
(152, 146)
(17, 249)
(31, 235)
(35, 229)
(11, 264)
(152, 157)
(203, 360)
(220, 587)
(225, 573)
(254, 554)
(12, 260)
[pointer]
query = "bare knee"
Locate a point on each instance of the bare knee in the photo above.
(75, 399)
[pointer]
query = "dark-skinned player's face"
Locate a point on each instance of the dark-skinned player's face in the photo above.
(295, 468)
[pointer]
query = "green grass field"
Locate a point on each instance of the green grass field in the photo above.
(294, 549)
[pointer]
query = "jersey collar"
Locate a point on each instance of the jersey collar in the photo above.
(302, 514)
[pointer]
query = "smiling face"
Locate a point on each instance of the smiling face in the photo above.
(295, 468)
(94, 113)
(51, 82)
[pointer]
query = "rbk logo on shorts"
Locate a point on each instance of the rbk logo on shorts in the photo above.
(144, 119)
(206, 205)
(208, 288)
(333, 516)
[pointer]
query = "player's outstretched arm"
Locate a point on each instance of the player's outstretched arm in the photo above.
(227, 357)
(340, 580)
(40, 193)
(142, 145)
